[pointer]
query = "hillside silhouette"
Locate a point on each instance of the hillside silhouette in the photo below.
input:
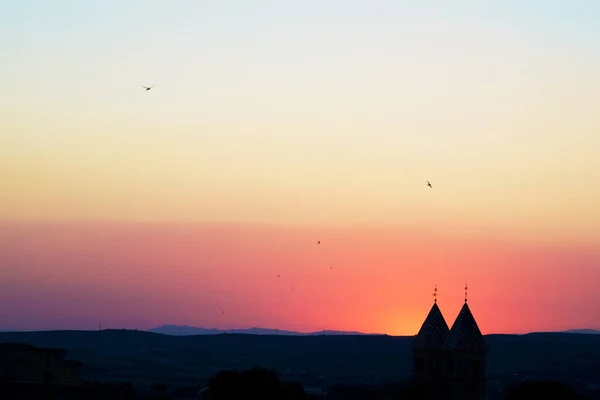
(265, 384)
(317, 361)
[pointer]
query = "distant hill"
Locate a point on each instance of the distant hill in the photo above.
(184, 330)
(314, 360)
(588, 331)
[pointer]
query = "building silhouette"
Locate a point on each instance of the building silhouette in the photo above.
(21, 362)
(450, 362)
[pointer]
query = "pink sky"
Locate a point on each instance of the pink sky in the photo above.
(141, 275)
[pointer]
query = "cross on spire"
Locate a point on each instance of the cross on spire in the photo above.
(466, 288)
(435, 294)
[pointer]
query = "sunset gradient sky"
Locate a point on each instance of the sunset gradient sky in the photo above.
(274, 124)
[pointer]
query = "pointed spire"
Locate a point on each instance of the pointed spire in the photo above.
(466, 288)
(465, 334)
(434, 329)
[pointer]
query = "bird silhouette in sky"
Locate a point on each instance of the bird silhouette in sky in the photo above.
(318, 242)
(278, 276)
(147, 87)
(429, 184)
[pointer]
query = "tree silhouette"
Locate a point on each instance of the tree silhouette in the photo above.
(159, 390)
(257, 383)
(293, 391)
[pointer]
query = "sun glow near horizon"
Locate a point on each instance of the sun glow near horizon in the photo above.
(138, 275)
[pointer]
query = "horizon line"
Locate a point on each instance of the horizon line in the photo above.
(291, 332)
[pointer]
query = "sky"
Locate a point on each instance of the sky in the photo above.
(272, 125)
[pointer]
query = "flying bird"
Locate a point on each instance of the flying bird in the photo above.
(147, 87)
(429, 184)
(318, 242)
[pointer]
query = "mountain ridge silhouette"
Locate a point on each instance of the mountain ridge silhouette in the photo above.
(586, 331)
(170, 329)
(177, 330)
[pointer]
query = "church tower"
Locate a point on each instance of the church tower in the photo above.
(451, 363)
(466, 356)
(428, 354)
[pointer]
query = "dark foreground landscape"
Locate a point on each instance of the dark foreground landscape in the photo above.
(150, 360)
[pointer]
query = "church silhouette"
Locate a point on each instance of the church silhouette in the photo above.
(450, 363)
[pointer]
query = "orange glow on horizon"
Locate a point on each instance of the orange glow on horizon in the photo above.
(366, 279)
